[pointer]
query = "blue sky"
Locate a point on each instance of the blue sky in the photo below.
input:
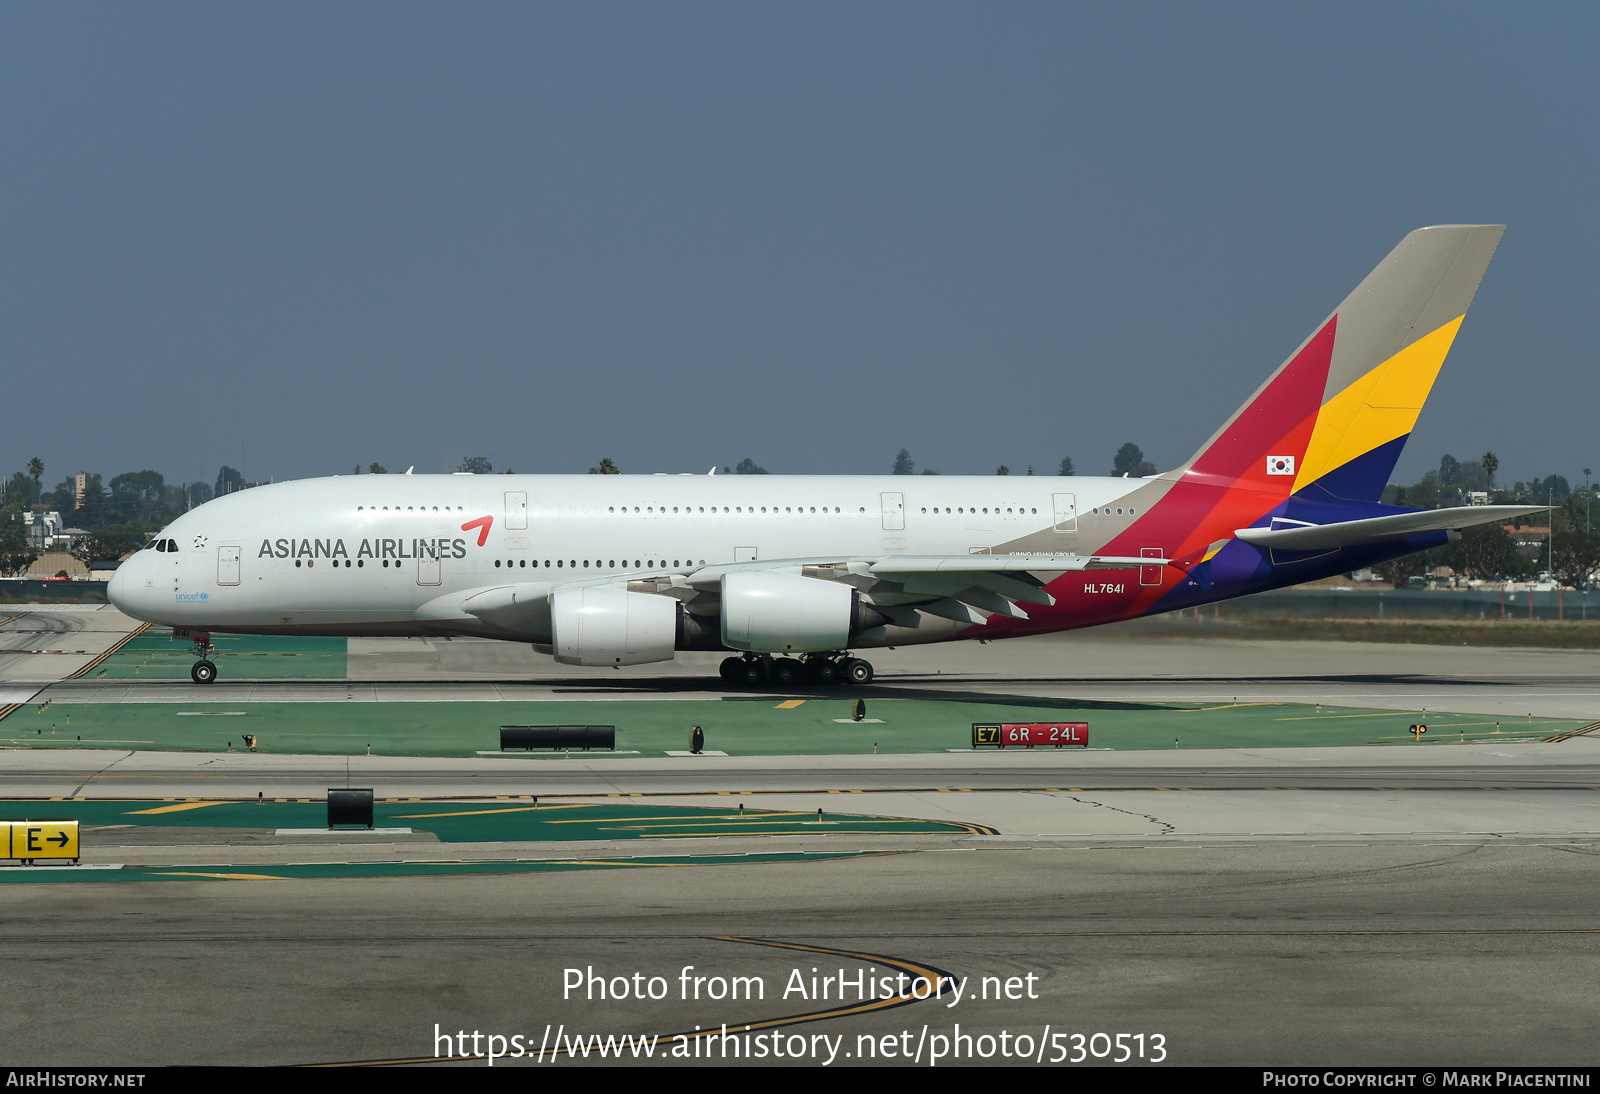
(299, 237)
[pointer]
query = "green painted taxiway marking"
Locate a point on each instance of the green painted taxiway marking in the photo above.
(156, 655)
(821, 726)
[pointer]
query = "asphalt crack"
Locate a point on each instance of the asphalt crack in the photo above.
(1166, 829)
(93, 775)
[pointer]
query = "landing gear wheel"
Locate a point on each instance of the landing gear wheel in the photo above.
(729, 669)
(857, 671)
(750, 674)
(825, 673)
(785, 672)
(204, 672)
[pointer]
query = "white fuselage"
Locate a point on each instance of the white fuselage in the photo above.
(389, 554)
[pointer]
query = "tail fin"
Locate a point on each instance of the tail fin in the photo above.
(1331, 421)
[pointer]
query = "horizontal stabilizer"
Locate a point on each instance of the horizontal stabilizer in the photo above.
(947, 564)
(1360, 533)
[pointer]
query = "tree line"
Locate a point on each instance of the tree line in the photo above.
(119, 516)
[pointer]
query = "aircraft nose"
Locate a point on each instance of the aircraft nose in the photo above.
(117, 590)
(125, 588)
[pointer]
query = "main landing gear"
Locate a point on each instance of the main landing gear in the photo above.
(755, 670)
(204, 670)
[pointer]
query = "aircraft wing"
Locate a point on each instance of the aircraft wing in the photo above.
(1298, 536)
(965, 588)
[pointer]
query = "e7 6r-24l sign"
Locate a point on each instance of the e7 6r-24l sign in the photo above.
(1029, 734)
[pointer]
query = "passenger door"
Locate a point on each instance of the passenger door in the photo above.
(894, 512)
(1066, 506)
(1150, 575)
(227, 565)
(516, 509)
(428, 570)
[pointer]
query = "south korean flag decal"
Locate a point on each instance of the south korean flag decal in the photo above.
(1280, 465)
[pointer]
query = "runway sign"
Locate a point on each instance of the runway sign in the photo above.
(1029, 734)
(28, 840)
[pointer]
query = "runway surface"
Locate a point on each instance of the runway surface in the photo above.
(1398, 904)
(1378, 953)
(1149, 662)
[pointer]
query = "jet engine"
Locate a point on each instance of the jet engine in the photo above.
(764, 612)
(609, 626)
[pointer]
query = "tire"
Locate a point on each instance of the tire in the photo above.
(825, 673)
(204, 672)
(749, 674)
(858, 671)
(785, 672)
(729, 669)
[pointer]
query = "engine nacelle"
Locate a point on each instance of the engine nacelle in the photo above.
(607, 626)
(766, 612)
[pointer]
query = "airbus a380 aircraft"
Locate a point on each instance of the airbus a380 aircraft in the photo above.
(791, 573)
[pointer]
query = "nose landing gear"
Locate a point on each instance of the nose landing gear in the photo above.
(204, 670)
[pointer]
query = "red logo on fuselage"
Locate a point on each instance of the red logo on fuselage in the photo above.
(482, 524)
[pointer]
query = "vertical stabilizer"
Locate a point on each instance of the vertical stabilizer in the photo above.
(1331, 421)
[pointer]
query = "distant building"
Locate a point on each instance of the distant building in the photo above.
(1477, 497)
(52, 563)
(44, 530)
(1530, 541)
